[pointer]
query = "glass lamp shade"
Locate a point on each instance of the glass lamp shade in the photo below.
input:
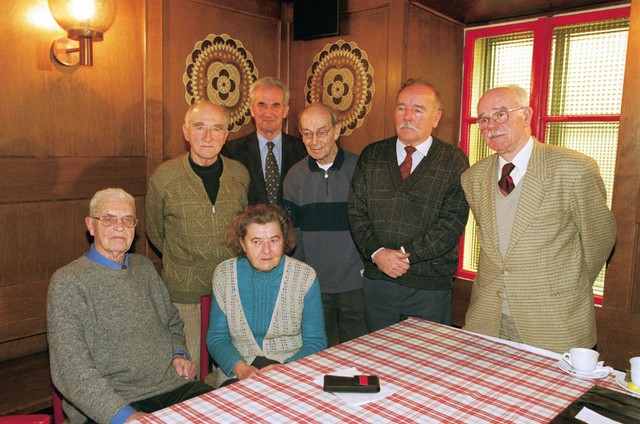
(84, 18)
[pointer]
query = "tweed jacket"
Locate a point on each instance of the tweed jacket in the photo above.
(425, 214)
(562, 234)
(246, 151)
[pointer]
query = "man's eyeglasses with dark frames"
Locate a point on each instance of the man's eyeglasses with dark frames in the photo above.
(500, 117)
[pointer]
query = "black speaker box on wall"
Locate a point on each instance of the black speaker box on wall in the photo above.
(315, 18)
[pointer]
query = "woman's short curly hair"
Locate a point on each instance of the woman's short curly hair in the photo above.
(259, 214)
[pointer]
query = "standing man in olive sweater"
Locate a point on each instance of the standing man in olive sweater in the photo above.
(190, 202)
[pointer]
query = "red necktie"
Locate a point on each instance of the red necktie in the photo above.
(405, 166)
(506, 184)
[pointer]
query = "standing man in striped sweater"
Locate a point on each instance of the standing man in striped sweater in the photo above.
(316, 192)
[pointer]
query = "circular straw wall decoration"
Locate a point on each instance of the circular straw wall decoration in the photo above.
(342, 77)
(220, 69)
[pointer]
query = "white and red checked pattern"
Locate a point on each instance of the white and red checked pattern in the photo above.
(439, 373)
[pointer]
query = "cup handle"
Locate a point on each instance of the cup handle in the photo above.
(567, 358)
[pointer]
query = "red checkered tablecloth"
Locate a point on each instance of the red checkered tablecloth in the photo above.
(438, 374)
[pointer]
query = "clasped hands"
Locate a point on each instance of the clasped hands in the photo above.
(394, 263)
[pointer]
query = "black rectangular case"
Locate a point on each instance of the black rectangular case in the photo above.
(355, 384)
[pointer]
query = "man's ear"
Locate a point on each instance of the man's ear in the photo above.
(89, 223)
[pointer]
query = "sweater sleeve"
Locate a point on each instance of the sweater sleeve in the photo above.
(361, 224)
(154, 214)
(314, 338)
(168, 312)
(291, 205)
(72, 368)
(219, 341)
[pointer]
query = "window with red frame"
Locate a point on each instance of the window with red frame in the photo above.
(574, 67)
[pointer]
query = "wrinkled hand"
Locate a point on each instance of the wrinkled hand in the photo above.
(135, 416)
(184, 367)
(392, 262)
(243, 370)
(270, 367)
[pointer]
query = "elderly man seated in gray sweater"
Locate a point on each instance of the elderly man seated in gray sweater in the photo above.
(116, 344)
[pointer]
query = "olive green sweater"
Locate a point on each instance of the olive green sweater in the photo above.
(184, 225)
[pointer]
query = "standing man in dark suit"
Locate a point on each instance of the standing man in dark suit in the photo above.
(269, 107)
(407, 212)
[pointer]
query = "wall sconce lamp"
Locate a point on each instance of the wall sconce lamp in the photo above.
(85, 21)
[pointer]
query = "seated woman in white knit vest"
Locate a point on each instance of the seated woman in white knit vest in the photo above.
(268, 307)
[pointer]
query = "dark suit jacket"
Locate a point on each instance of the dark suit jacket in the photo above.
(246, 151)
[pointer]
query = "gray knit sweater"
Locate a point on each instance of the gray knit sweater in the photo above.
(111, 336)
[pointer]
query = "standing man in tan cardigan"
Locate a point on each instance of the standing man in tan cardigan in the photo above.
(544, 228)
(190, 202)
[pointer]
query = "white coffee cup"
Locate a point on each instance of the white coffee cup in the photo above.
(635, 370)
(584, 360)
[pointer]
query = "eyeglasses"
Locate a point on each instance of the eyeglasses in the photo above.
(321, 134)
(500, 117)
(111, 220)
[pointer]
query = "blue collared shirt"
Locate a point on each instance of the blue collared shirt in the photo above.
(100, 259)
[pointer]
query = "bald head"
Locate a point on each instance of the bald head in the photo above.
(320, 130)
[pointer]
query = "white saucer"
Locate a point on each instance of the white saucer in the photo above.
(599, 372)
(622, 382)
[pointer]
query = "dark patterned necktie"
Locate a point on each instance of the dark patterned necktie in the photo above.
(405, 166)
(272, 174)
(506, 184)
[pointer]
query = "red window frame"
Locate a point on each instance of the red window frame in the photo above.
(542, 29)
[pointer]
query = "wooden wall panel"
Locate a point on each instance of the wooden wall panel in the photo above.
(622, 277)
(64, 134)
(40, 237)
(29, 179)
(434, 52)
(355, 26)
(24, 309)
(187, 22)
(50, 110)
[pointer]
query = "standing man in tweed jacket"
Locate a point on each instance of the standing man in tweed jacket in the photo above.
(190, 202)
(544, 234)
(407, 212)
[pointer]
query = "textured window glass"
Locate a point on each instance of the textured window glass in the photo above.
(477, 150)
(587, 68)
(498, 61)
(586, 71)
(501, 60)
(598, 140)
